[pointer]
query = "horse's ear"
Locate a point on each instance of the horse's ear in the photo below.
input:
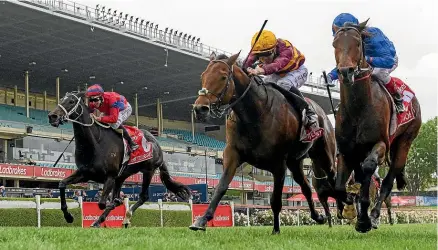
(363, 25)
(212, 56)
(232, 60)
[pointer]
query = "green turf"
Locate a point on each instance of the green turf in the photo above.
(414, 236)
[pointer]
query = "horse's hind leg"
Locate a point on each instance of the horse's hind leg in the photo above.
(298, 176)
(143, 197)
(276, 204)
(76, 177)
(114, 202)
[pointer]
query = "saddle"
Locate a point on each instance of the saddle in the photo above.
(301, 148)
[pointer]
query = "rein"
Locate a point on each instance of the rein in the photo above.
(215, 107)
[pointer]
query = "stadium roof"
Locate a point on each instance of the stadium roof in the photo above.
(46, 37)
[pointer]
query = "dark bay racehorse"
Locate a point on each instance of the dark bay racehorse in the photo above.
(99, 153)
(263, 130)
(362, 127)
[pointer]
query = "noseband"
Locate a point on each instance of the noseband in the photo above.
(215, 107)
(357, 69)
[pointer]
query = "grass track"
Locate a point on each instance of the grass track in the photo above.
(414, 236)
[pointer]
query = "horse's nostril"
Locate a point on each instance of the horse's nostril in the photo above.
(53, 116)
(204, 109)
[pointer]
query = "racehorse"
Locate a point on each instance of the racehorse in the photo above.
(99, 153)
(263, 130)
(364, 129)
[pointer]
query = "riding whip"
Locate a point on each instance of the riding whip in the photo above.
(257, 38)
(329, 92)
(56, 162)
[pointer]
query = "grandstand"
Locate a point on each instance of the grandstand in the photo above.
(54, 64)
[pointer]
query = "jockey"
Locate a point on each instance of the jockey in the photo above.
(283, 64)
(115, 107)
(379, 53)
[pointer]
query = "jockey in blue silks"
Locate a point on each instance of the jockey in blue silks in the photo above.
(379, 53)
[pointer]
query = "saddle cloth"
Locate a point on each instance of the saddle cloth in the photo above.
(398, 120)
(144, 151)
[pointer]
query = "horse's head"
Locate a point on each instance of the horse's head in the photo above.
(217, 87)
(69, 108)
(349, 51)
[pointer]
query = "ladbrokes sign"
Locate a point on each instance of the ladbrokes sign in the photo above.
(223, 217)
(15, 170)
(91, 212)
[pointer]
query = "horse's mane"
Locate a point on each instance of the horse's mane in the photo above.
(239, 62)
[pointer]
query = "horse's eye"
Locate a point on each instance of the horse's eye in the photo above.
(72, 101)
(224, 78)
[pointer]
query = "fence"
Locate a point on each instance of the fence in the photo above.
(46, 212)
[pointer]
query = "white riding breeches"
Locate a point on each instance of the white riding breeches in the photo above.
(384, 74)
(123, 116)
(295, 78)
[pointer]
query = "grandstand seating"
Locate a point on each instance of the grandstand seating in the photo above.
(36, 117)
(200, 139)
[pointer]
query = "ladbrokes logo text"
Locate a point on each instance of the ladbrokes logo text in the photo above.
(52, 173)
(13, 170)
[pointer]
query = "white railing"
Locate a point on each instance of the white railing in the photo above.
(130, 24)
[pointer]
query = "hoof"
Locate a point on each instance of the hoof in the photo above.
(126, 225)
(118, 202)
(363, 226)
(101, 206)
(68, 217)
(197, 228)
(95, 225)
(275, 232)
(320, 219)
(401, 182)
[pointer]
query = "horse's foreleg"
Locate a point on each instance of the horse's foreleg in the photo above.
(231, 163)
(298, 175)
(76, 177)
(276, 204)
(366, 171)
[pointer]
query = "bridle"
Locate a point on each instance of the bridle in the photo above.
(357, 70)
(74, 110)
(215, 107)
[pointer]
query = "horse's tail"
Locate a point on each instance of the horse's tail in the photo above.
(179, 189)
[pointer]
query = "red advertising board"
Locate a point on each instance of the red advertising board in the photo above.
(90, 213)
(408, 200)
(223, 217)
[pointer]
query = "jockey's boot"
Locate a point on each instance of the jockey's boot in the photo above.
(391, 86)
(134, 146)
(311, 116)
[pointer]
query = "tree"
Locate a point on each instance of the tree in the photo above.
(422, 159)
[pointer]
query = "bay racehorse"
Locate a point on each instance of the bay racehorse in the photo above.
(99, 152)
(365, 130)
(263, 130)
